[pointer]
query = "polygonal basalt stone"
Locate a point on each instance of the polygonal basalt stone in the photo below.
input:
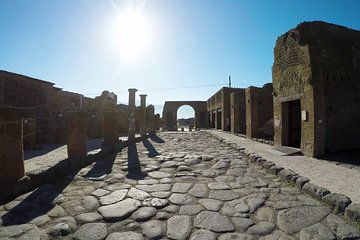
(235, 236)
(316, 231)
(144, 213)
(211, 204)
(353, 212)
(113, 197)
(125, 236)
(224, 195)
(199, 190)
(203, 234)
(294, 219)
(181, 187)
(159, 174)
(23, 231)
(342, 229)
(213, 221)
(315, 191)
(191, 209)
(179, 227)
(88, 217)
(120, 210)
(91, 231)
(138, 194)
(179, 198)
(153, 229)
(155, 202)
(85, 204)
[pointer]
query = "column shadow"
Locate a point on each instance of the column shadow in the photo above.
(102, 167)
(156, 138)
(152, 151)
(38, 203)
(134, 167)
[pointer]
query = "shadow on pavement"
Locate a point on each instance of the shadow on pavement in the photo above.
(351, 157)
(38, 203)
(102, 167)
(152, 151)
(46, 148)
(156, 139)
(134, 167)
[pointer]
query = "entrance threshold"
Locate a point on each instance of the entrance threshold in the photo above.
(285, 151)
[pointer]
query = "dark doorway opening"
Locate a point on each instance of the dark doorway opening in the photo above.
(294, 123)
(213, 114)
(219, 117)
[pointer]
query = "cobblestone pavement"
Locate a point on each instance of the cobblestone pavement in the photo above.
(176, 186)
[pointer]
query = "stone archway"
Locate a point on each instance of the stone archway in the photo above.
(170, 114)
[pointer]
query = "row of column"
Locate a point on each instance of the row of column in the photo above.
(11, 135)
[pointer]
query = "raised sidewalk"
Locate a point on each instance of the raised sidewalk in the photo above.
(336, 178)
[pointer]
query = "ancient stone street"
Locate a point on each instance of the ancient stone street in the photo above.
(176, 185)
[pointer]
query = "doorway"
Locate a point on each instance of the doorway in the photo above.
(218, 118)
(294, 123)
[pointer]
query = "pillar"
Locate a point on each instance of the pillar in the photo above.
(131, 114)
(143, 114)
(77, 134)
(111, 128)
(150, 110)
(11, 150)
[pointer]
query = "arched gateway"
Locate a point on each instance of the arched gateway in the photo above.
(170, 114)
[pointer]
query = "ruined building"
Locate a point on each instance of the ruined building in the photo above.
(219, 108)
(259, 112)
(316, 74)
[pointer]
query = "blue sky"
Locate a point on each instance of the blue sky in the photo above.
(193, 43)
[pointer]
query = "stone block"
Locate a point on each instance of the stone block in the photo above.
(338, 202)
(111, 128)
(315, 191)
(77, 134)
(352, 212)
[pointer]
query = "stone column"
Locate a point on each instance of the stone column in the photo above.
(11, 150)
(143, 122)
(131, 114)
(111, 128)
(77, 134)
(150, 110)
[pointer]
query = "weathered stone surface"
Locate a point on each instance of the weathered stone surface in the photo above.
(213, 221)
(315, 191)
(203, 234)
(218, 186)
(113, 197)
(294, 219)
(179, 198)
(155, 188)
(235, 236)
(100, 192)
(161, 194)
(85, 204)
(211, 204)
(265, 214)
(23, 231)
(138, 194)
(144, 213)
(119, 210)
(261, 228)
(338, 202)
(341, 228)
(199, 190)
(316, 231)
(255, 203)
(190, 209)
(277, 235)
(153, 229)
(125, 236)
(91, 231)
(155, 202)
(242, 224)
(88, 217)
(224, 195)
(181, 187)
(353, 212)
(179, 227)
(158, 174)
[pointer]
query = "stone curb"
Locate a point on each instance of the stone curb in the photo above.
(339, 203)
(43, 175)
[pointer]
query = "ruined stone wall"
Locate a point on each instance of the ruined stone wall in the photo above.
(238, 111)
(259, 112)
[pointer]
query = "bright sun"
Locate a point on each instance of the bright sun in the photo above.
(132, 35)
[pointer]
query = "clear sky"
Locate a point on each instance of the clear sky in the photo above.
(164, 48)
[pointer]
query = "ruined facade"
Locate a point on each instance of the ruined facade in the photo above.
(238, 111)
(170, 114)
(219, 108)
(316, 74)
(259, 112)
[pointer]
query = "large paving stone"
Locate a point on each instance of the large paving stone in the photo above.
(224, 195)
(23, 231)
(261, 228)
(153, 229)
(342, 229)
(85, 204)
(211, 204)
(138, 194)
(242, 224)
(235, 236)
(203, 234)
(88, 217)
(213, 221)
(199, 190)
(120, 210)
(179, 227)
(125, 236)
(91, 231)
(181, 187)
(316, 231)
(294, 219)
(191, 209)
(179, 198)
(158, 174)
(113, 197)
(162, 187)
(144, 213)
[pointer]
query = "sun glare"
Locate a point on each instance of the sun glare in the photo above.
(132, 35)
